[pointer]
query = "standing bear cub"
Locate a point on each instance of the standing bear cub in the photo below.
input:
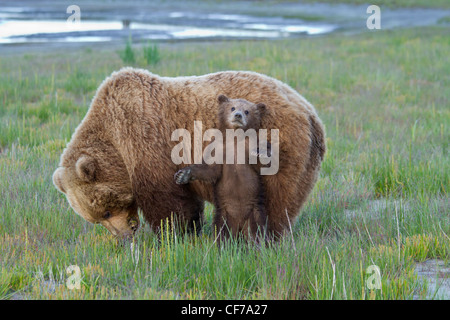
(238, 191)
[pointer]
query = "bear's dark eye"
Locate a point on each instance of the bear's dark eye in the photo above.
(246, 111)
(232, 109)
(106, 215)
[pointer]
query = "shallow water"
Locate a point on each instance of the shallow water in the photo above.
(45, 21)
(437, 276)
(19, 25)
(17, 31)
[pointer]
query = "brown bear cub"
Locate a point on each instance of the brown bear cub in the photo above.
(238, 191)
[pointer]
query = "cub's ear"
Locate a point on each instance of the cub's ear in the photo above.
(85, 168)
(261, 107)
(223, 98)
(58, 180)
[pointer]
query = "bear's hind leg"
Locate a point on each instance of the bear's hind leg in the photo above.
(258, 224)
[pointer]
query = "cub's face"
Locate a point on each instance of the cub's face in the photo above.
(96, 199)
(240, 113)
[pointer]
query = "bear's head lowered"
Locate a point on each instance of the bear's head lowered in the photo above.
(99, 192)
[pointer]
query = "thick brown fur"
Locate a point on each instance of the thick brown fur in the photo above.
(238, 191)
(125, 143)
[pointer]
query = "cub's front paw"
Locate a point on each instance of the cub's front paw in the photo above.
(182, 176)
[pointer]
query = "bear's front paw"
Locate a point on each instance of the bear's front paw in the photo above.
(182, 176)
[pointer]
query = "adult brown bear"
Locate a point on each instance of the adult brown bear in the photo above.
(119, 158)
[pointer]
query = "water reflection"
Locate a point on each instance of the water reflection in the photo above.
(174, 25)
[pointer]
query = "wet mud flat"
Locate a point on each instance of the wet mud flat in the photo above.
(436, 275)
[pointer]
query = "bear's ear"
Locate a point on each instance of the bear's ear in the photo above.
(57, 179)
(261, 107)
(223, 98)
(85, 168)
(126, 198)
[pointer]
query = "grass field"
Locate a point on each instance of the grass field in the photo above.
(382, 197)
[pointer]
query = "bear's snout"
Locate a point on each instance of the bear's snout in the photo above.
(238, 115)
(133, 223)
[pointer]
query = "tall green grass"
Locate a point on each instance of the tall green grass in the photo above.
(128, 55)
(381, 199)
(151, 53)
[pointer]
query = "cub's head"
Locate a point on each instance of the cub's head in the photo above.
(99, 193)
(240, 113)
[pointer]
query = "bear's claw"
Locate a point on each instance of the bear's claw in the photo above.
(182, 176)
